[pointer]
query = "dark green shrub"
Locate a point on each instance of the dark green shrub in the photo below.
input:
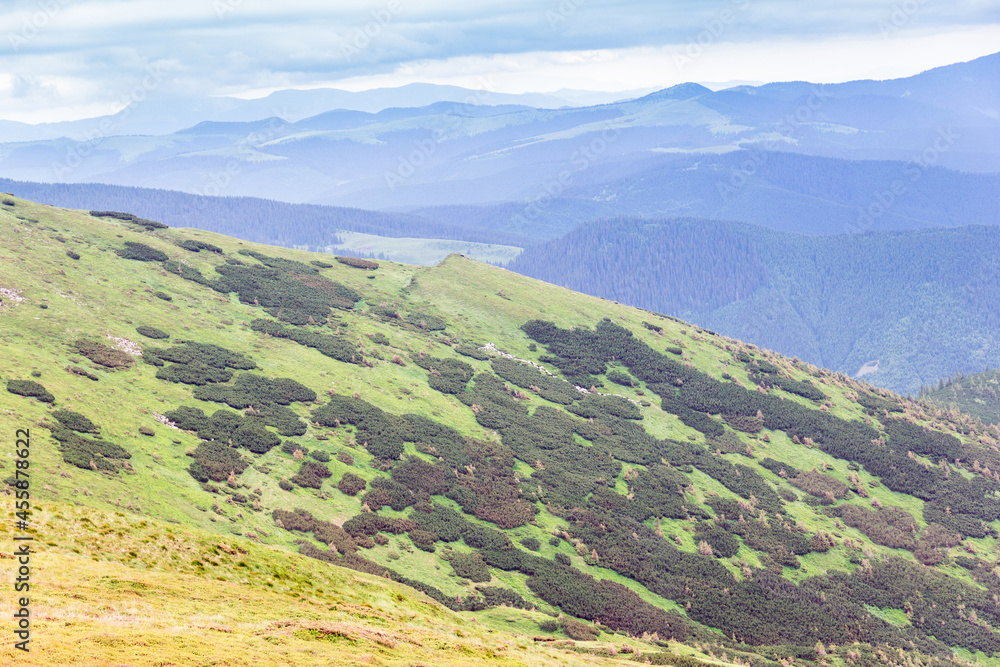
(285, 485)
(30, 389)
(215, 460)
(195, 373)
(471, 567)
(322, 265)
(602, 405)
(187, 273)
(290, 447)
(426, 321)
(554, 541)
(141, 252)
(129, 217)
(423, 539)
(163, 295)
(669, 659)
(89, 454)
(152, 332)
(351, 485)
(446, 523)
(257, 391)
(102, 354)
(211, 355)
(385, 491)
(145, 430)
(817, 484)
(379, 338)
(525, 376)
(188, 418)
(255, 438)
(581, 632)
(889, 526)
(448, 376)
(335, 347)
(311, 474)
(473, 352)
(495, 596)
(531, 543)
(723, 544)
(75, 421)
(874, 403)
(198, 246)
(381, 432)
(72, 255)
(623, 379)
(548, 625)
(358, 263)
(370, 523)
(288, 290)
(76, 370)
(563, 559)
(320, 455)
(418, 475)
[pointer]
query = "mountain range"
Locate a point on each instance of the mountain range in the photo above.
(453, 153)
(159, 113)
(794, 197)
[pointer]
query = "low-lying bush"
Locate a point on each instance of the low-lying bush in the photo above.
(152, 332)
(141, 252)
(31, 389)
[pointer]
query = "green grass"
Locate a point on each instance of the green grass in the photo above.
(102, 294)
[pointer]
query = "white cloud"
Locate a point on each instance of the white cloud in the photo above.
(86, 53)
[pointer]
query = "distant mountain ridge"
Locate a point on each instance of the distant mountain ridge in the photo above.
(164, 114)
(501, 149)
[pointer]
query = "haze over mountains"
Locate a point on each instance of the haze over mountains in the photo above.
(156, 113)
(572, 184)
(450, 152)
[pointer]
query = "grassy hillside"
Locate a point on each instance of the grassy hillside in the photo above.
(520, 454)
(977, 395)
(113, 588)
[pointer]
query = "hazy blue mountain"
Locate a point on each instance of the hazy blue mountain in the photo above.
(164, 113)
(446, 152)
(785, 191)
(251, 218)
(899, 308)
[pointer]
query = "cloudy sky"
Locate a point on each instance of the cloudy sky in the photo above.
(68, 59)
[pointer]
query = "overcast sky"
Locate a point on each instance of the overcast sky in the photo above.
(67, 59)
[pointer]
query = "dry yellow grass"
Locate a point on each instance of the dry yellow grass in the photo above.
(95, 603)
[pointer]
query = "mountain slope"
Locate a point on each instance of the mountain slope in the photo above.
(251, 218)
(777, 190)
(975, 394)
(903, 308)
(646, 476)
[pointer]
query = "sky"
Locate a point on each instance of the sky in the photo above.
(71, 59)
